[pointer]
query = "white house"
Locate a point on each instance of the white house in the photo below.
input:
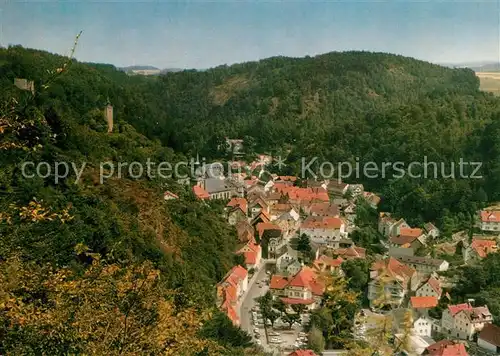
(323, 229)
(431, 231)
(463, 320)
(388, 226)
(430, 288)
(422, 326)
(489, 220)
(489, 338)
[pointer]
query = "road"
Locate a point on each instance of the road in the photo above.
(249, 302)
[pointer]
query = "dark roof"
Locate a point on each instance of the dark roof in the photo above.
(419, 260)
(490, 334)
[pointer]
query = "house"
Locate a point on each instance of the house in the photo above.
(422, 326)
(237, 277)
(268, 186)
(388, 226)
(256, 206)
(408, 237)
(262, 217)
(235, 146)
(415, 344)
(230, 290)
(272, 198)
(372, 199)
(478, 249)
(235, 215)
(322, 209)
(245, 231)
(170, 196)
(286, 179)
(424, 265)
(463, 320)
(200, 192)
(252, 253)
(218, 188)
(391, 281)
(304, 288)
(293, 268)
(337, 188)
(430, 288)
(489, 338)
(328, 264)
(323, 229)
(355, 189)
(489, 220)
(286, 259)
(350, 252)
(303, 353)
(238, 202)
(446, 348)
(431, 231)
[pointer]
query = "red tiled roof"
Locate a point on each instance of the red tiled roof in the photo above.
(297, 301)
(328, 261)
(324, 209)
(423, 302)
(454, 350)
(483, 247)
(241, 202)
(393, 266)
(490, 334)
(250, 251)
(307, 278)
(200, 192)
(353, 252)
(278, 282)
(402, 240)
(170, 194)
(410, 232)
(435, 284)
(454, 309)
(490, 216)
(446, 348)
(322, 222)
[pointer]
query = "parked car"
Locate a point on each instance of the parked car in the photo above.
(273, 333)
(258, 342)
(256, 330)
(275, 340)
(302, 334)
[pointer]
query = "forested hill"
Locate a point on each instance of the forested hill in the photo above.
(90, 268)
(337, 107)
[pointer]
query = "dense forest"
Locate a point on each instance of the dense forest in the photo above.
(149, 262)
(339, 107)
(93, 268)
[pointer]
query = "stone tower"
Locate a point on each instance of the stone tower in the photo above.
(108, 112)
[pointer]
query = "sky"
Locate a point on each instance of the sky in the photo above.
(203, 34)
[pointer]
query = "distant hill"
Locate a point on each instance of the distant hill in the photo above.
(133, 68)
(485, 66)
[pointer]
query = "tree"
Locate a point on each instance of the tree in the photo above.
(280, 306)
(291, 318)
(107, 309)
(356, 272)
(299, 308)
(222, 329)
(304, 245)
(316, 342)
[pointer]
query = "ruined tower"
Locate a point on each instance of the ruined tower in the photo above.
(108, 112)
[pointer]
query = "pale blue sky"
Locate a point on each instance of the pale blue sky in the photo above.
(203, 34)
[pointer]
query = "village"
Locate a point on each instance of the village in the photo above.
(273, 217)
